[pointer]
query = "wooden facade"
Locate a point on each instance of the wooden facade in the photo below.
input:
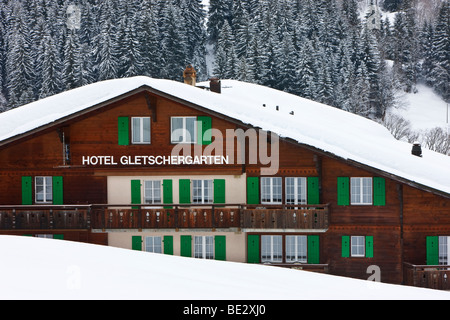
(96, 202)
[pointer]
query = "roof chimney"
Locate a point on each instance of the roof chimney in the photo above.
(417, 149)
(190, 75)
(215, 85)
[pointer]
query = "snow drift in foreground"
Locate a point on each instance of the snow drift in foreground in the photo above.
(36, 268)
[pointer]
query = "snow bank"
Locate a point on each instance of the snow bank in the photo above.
(36, 268)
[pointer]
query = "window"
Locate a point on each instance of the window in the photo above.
(183, 129)
(152, 191)
(140, 127)
(271, 249)
(361, 190)
(443, 250)
(296, 249)
(296, 191)
(358, 246)
(271, 190)
(202, 191)
(153, 244)
(44, 189)
(204, 247)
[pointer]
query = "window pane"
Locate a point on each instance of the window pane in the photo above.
(443, 250)
(146, 130)
(190, 130)
(177, 129)
(136, 130)
(358, 246)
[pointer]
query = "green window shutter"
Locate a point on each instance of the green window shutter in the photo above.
(185, 191)
(313, 249)
(345, 246)
(167, 192)
(204, 125)
(220, 247)
(313, 190)
(253, 249)
(219, 190)
(123, 131)
(379, 191)
(369, 246)
(27, 190)
(168, 245)
(58, 236)
(136, 243)
(343, 191)
(58, 192)
(136, 192)
(433, 250)
(252, 190)
(186, 246)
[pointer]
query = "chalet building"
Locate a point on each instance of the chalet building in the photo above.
(249, 174)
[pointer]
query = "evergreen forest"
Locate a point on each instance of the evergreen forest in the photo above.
(322, 50)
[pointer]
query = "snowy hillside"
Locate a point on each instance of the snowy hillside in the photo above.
(56, 269)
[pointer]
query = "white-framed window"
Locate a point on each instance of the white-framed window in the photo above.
(183, 130)
(43, 189)
(358, 246)
(296, 190)
(271, 248)
(361, 190)
(204, 247)
(140, 130)
(153, 244)
(271, 190)
(296, 249)
(202, 191)
(152, 192)
(444, 250)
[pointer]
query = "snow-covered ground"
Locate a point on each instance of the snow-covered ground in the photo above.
(37, 268)
(424, 109)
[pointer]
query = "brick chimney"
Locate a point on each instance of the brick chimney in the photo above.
(190, 75)
(215, 85)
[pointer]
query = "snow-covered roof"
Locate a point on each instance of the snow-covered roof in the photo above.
(322, 127)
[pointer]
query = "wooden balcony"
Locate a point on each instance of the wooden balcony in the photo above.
(427, 276)
(177, 216)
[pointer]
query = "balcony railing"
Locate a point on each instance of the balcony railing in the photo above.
(175, 216)
(427, 276)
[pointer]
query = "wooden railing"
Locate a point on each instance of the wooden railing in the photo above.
(427, 276)
(107, 216)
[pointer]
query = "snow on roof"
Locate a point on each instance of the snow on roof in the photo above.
(341, 133)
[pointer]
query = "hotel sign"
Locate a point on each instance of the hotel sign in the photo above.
(154, 160)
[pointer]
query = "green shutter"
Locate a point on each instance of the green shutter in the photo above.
(313, 190)
(253, 249)
(343, 191)
(345, 246)
(167, 192)
(204, 126)
(168, 245)
(185, 246)
(136, 243)
(123, 131)
(433, 250)
(379, 191)
(219, 190)
(252, 190)
(220, 247)
(313, 249)
(136, 192)
(58, 236)
(58, 192)
(27, 190)
(185, 191)
(369, 246)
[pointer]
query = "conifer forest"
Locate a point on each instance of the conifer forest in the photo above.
(323, 50)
